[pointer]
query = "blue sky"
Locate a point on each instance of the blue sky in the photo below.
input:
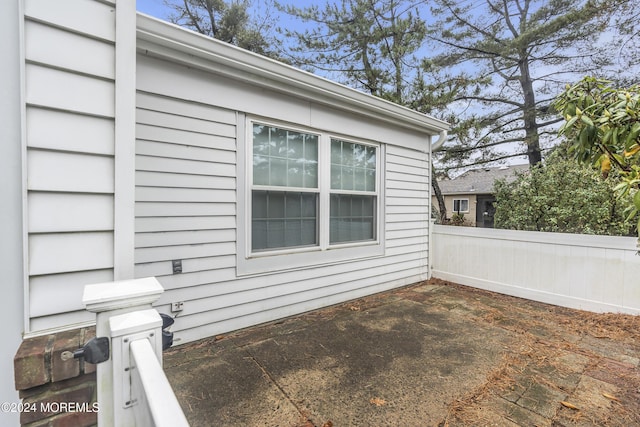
(158, 9)
(152, 7)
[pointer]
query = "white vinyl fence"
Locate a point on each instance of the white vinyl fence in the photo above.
(595, 273)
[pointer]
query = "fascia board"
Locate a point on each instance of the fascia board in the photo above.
(168, 41)
(466, 193)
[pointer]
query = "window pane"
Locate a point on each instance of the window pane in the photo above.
(360, 179)
(275, 205)
(359, 155)
(368, 204)
(278, 171)
(310, 174)
(284, 157)
(340, 230)
(336, 151)
(310, 161)
(336, 177)
(334, 207)
(293, 207)
(283, 219)
(347, 178)
(296, 145)
(353, 166)
(352, 218)
(311, 147)
(460, 205)
(347, 153)
(260, 170)
(371, 157)
(370, 177)
(308, 232)
(278, 139)
(259, 205)
(292, 232)
(275, 233)
(260, 140)
(258, 233)
(308, 203)
(344, 206)
(295, 173)
(356, 207)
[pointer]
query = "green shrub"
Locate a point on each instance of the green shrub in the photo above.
(457, 219)
(561, 196)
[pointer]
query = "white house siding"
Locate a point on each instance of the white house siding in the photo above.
(407, 206)
(11, 243)
(187, 140)
(69, 73)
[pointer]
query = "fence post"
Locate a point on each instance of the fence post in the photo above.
(110, 301)
(430, 254)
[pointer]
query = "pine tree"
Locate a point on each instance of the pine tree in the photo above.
(503, 62)
(230, 21)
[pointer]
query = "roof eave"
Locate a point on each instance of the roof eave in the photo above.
(167, 41)
(465, 193)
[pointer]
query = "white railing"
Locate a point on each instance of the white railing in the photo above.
(595, 273)
(157, 405)
(132, 387)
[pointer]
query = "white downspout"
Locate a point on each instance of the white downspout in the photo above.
(435, 146)
(441, 139)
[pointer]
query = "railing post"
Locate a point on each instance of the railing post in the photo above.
(145, 325)
(110, 301)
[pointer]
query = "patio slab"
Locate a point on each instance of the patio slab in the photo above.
(432, 354)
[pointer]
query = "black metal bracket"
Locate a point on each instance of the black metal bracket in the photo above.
(95, 351)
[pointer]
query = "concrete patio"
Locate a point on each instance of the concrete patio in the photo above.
(431, 354)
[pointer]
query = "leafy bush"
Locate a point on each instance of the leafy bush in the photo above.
(458, 219)
(561, 196)
(603, 127)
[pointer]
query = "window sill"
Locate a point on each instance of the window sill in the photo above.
(264, 263)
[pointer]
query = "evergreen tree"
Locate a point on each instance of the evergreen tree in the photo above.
(369, 45)
(229, 21)
(502, 64)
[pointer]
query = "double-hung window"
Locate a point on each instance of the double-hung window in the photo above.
(284, 197)
(353, 192)
(461, 205)
(310, 191)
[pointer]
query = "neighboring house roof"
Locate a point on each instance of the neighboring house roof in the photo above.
(480, 181)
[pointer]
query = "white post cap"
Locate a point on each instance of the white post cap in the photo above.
(110, 296)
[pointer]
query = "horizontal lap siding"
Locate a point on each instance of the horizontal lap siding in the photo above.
(407, 211)
(69, 155)
(185, 191)
(223, 302)
(186, 163)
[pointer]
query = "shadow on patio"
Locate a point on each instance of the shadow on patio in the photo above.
(431, 354)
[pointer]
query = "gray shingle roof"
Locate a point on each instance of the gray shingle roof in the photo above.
(480, 181)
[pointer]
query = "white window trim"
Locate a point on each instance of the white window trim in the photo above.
(248, 263)
(461, 211)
